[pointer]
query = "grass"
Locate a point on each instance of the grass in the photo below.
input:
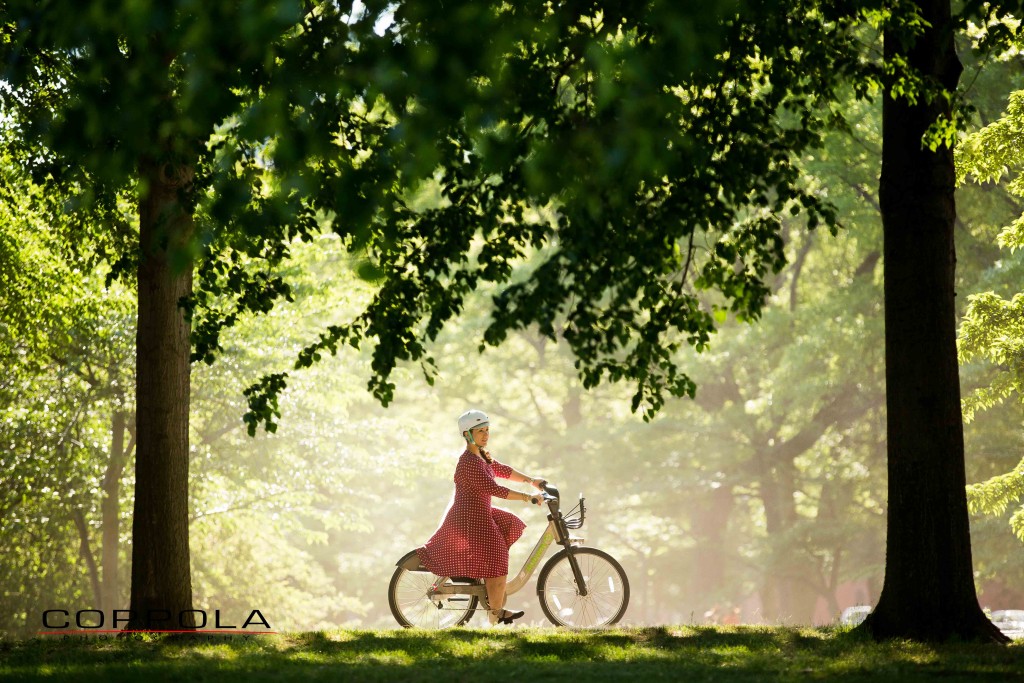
(686, 653)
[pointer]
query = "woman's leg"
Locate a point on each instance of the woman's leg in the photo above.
(496, 591)
(496, 600)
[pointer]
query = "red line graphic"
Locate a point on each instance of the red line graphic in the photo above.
(153, 630)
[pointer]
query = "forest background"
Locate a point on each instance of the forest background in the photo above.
(765, 494)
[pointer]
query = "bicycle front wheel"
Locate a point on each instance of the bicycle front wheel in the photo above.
(412, 608)
(607, 589)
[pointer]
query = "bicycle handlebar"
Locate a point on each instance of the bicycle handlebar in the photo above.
(548, 490)
(550, 495)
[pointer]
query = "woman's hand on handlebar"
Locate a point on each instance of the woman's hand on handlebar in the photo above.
(534, 499)
(539, 484)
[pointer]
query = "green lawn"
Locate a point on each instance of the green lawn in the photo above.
(482, 655)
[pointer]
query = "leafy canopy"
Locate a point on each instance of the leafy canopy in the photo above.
(992, 329)
(646, 149)
(651, 185)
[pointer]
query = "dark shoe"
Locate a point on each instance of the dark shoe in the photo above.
(508, 617)
(504, 616)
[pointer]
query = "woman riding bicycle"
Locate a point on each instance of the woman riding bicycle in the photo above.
(474, 538)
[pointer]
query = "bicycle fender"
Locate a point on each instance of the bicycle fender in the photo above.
(411, 562)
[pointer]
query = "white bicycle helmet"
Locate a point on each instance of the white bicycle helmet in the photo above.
(471, 419)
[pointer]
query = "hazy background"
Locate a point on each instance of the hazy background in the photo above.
(762, 500)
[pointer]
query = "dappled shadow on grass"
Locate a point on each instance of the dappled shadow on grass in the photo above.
(670, 653)
(707, 646)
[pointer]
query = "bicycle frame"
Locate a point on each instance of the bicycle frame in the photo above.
(550, 535)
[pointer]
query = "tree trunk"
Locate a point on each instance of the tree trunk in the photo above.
(161, 591)
(929, 591)
(835, 497)
(111, 511)
(786, 596)
(709, 523)
(85, 550)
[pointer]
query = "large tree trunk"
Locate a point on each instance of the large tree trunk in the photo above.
(161, 591)
(928, 592)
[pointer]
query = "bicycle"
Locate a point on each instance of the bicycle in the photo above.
(579, 587)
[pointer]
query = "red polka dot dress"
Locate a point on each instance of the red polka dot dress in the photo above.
(474, 538)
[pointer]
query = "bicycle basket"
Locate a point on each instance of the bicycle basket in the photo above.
(574, 518)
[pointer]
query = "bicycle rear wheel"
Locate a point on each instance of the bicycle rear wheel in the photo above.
(407, 597)
(607, 589)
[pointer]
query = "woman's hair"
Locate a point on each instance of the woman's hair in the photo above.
(484, 454)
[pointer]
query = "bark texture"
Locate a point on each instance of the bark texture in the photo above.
(929, 591)
(161, 590)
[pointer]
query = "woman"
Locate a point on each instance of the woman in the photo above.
(474, 538)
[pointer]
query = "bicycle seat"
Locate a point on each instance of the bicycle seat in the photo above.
(463, 579)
